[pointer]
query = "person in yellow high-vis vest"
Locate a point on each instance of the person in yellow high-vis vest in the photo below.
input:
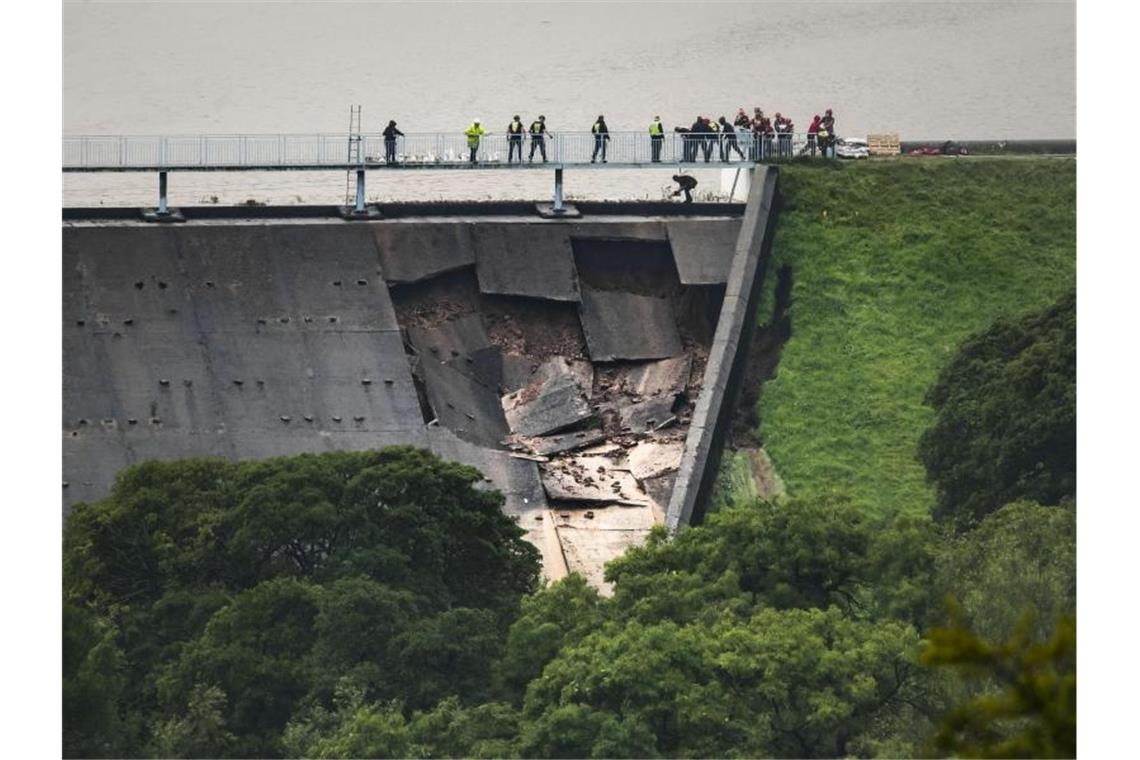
(474, 134)
(656, 138)
(514, 138)
(538, 135)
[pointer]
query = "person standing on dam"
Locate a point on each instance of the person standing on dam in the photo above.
(812, 133)
(474, 134)
(390, 135)
(705, 138)
(757, 134)
(538, 137)
(514, 138)
(656, 139)
(728, 141)
(601, 137)
(784, 129)
(827, 134)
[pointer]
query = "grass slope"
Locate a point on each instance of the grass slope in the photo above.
(894, 264)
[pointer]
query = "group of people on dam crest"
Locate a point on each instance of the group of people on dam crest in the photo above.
(763, 137)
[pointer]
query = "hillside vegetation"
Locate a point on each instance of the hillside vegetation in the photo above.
(893, 265)
(380, 604)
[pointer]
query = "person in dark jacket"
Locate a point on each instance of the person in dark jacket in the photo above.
(728, 141)
(827, 134)
(514, 138)
(538, 138)
(685, 184)
(601, 137)
(687, 150)
(757, 134)
(390, 135)
(701, 138)
(783, 129)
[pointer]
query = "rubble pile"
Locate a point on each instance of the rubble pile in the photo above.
(599, 433)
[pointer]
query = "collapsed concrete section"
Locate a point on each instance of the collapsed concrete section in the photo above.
(563, 359)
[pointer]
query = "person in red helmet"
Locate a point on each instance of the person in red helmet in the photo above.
(757, 131)
(812, 133)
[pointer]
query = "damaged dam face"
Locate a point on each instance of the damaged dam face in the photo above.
(563, 359)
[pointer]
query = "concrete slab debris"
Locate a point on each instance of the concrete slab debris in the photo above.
(533, 260)
(414, 252)
(463, 405)
(556, 397)
(627, 326)
(647, 416)
(558, 444)
(517, 371)
(703, 249)
(588, 543)
(650, 459)
(516, 479)
(591, 479)
(460, 337)
(664, 377)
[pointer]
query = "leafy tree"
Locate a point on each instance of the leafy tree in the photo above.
(368, 731)
(564, 612)
(788, 554)
(903, 563)
(575, 730)
(1005, 426)
(94, 677)
(355, 638)
(1022, 558)
(200, 731)
(381, 729)
(235, 595)
(1032, 712)
(449, 653)
(801, 683)
(253, 651)
(488, 730)
(772, 629)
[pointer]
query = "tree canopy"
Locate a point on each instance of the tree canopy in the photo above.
(312, 607)
(1005, 425)
(216, 599)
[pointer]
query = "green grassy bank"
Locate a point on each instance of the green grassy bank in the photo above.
(894, 263)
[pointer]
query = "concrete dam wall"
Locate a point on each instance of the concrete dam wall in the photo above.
(564, 359)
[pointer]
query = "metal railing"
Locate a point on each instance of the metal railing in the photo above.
(422, 150)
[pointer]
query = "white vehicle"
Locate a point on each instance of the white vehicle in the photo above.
(851, 147)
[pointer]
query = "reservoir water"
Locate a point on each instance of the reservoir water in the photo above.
(964, 70)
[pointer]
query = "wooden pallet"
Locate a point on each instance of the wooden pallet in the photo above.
(883, 145)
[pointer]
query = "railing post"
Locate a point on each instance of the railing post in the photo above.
(558, 190)
(360, 189)
(162, 209)
(122, 151)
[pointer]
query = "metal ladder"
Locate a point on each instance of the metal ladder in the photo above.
(354, 147)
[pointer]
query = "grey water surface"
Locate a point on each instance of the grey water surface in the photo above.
(960, 70)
